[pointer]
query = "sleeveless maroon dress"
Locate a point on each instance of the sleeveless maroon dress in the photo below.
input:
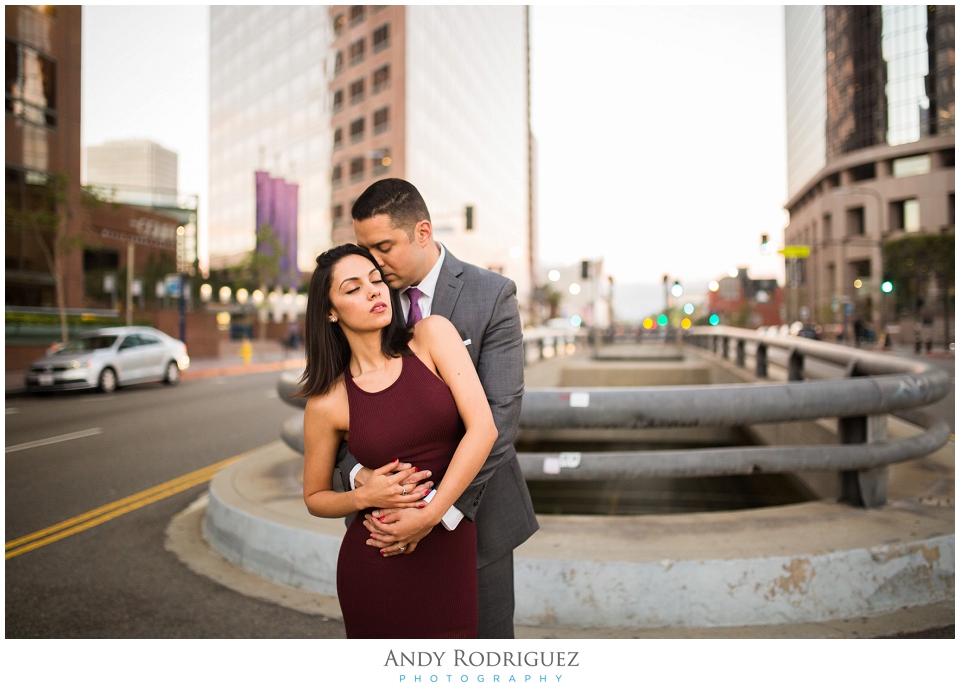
(432, 592)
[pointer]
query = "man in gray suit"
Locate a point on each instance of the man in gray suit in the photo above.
(392, 221)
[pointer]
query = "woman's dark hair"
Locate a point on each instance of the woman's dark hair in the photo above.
(327, 349)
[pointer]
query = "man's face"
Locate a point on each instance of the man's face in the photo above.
(402, 260)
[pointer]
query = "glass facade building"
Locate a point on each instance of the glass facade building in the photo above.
(466, 130)
(269, 111)
(805, 63)
(870, 96)
(335, 98)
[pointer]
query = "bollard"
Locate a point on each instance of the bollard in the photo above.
(246, 351)
(761, 371)
(795, 366)
(741, 353)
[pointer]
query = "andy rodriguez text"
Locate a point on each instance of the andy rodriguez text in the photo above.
(463, 658)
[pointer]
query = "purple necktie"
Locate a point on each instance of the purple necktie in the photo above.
(414, 295)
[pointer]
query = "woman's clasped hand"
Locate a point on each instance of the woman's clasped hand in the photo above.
(396, 485)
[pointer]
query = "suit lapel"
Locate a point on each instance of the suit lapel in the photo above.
(449, 285)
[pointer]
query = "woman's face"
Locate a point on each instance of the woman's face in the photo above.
(359, 298)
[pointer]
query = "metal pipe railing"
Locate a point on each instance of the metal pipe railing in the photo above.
(878, 384)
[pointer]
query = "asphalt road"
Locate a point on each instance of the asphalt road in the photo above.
(116, 580)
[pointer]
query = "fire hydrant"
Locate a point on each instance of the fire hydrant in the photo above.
(246, 351)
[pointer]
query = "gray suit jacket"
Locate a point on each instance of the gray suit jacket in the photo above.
(482, 305)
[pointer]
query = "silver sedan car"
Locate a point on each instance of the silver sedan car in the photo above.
(109, 358)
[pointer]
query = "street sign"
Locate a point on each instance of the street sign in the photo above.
(172, 285)
(795, 251)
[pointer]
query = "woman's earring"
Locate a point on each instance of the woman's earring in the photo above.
(333, 319)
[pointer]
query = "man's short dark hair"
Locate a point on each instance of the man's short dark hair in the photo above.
(393, 197)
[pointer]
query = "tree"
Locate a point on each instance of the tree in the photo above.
(44, 217)
(910, 262)
(553, 298)
(262, 265)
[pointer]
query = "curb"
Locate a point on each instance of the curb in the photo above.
(748, 569)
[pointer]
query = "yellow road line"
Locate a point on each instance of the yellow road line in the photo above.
(114, 509)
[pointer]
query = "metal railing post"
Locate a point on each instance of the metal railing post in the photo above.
(761, 371)
(715, 341)
(795, 366)
(741, 353)
(726, 347)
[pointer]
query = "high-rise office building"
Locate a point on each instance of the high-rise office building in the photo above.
(436, 95)
(132, 165)
(42, 138)
(269, 111)
(870, 146)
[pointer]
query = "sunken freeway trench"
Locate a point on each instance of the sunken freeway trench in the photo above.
(115, 579)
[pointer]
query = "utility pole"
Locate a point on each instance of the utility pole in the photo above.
(129, 283)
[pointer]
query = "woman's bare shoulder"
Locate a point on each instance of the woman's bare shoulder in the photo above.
(331, 405)
(434, 328)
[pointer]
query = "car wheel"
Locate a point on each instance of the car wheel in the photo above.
(172, 375)
(108, 380)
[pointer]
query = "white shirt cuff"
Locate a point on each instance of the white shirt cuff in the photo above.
(451, 519)
(353, 476)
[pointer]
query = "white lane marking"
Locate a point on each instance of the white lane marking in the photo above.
(12, 410)
(54, 439)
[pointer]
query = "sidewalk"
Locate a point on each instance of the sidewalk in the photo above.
(268, 355)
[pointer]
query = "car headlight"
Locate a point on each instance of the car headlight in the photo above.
(75, 364)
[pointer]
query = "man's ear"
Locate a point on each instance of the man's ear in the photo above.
(423, 233)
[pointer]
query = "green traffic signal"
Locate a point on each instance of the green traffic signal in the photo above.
(662, 319)
(886, 287)
(714, 319)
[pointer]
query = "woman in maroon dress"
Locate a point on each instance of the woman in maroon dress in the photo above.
(401, 397)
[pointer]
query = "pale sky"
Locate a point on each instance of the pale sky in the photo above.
(660, 130)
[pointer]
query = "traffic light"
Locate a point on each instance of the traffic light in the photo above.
(714, 319)
(585, 270)
(886, 287)
(764, 244)
(662, 319)
(468, 226)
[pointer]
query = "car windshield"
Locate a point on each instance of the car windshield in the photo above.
(88, 343)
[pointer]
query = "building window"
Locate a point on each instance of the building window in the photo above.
(827, 227)
(911, 166)
(337, 100)
(863, 172)
(337, 177)
(381, 78)
(337, 214)
(381, 120)
(356, 130)
(381, 164)
(356, 14)
(31, 85)
(338, 23)
(911, 215)
(381, 38)
(949, 157)
(356, 170)
(855, 226)
(338, 138)
(951, 211)
(357, 49)
(356, 91)
(338, 63)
